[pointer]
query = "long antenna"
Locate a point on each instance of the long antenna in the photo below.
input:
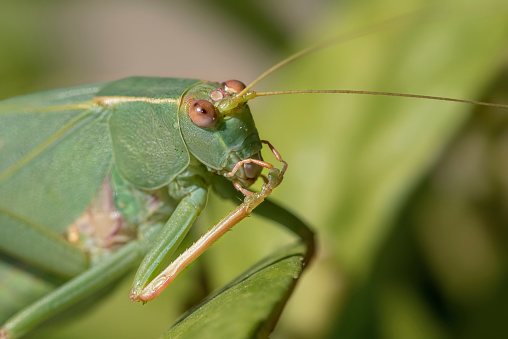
(347, 91)
(375, 28)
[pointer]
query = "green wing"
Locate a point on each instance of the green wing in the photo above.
(55, 152)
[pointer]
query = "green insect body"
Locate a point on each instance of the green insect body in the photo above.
(127, 152)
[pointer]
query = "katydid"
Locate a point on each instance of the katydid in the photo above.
(103, 128)
(129, 143)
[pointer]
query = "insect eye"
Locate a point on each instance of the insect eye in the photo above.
(202, 113)
(233, 86)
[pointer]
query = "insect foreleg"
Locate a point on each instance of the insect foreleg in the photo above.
(251, 201)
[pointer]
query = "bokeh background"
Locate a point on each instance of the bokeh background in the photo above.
(408, 197)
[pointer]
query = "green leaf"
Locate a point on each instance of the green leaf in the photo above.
(250, 305)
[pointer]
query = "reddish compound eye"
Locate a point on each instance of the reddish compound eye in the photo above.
(203, 114)
(233, 86)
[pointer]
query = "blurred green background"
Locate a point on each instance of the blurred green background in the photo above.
(408, 197)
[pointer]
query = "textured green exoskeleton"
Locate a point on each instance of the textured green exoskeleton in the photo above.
(108, 174)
